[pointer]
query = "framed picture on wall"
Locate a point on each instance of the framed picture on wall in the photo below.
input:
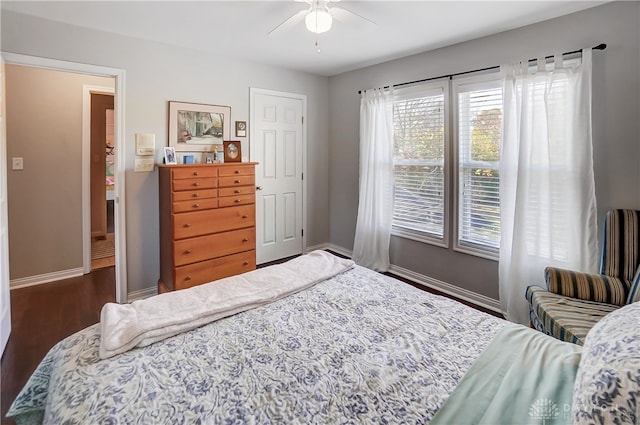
(196, 127)
(241, 129)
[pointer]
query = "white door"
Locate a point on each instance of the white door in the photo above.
(5, 306)
(277, 144)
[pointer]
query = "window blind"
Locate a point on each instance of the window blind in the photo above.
(419, 149)
(479, 133)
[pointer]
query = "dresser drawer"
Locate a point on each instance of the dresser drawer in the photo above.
(191, 172)
(239, 190)
(210, 270)
(197, 183)
(236, 170)
(237, 181)
(196, 205)
(194, 194)
(187, 251)
(200, 223)
(236, 200)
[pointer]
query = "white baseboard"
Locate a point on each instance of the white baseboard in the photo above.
(321, 246)
(142, 294)
(24, 282)
(447, 288)
(330, 247)
(340, 250)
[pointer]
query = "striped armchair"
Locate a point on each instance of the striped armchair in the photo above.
(573, 302)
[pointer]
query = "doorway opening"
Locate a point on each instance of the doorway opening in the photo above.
(119, 209)
(102, 176)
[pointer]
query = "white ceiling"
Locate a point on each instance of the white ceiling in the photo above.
(240, 28)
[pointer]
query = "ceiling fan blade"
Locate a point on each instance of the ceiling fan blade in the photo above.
(290, 22)
(351, 18)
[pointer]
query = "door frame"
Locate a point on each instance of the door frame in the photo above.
(119, 111)
(253, 91)
(87, 91)
(5, 294)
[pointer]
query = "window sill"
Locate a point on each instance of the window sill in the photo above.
(420, 237)
(486, 253)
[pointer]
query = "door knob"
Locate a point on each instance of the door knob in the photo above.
(258, 187)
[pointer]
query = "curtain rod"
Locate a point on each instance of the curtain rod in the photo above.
(600, 46)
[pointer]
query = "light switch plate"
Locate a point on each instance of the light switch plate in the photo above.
(143, 165)
(17, 163)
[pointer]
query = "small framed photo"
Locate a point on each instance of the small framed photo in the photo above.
(232, 151)
(241, 129)
(170, 155)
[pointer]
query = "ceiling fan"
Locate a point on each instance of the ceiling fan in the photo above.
(318, 18)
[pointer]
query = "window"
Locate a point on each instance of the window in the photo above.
(422, 164)
(478, 129)
(419, 152)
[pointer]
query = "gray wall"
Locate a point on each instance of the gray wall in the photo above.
(155, 74)
(616, 117)
(44, 127)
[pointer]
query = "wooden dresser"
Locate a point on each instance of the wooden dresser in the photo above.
(207, 223)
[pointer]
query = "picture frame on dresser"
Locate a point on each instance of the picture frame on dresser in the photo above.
(232, 151)
(170, 155)
(197, 127)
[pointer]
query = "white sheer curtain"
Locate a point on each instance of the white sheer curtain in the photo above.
(547, 195)
(375, 209)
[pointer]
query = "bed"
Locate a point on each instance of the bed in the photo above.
(356, 347)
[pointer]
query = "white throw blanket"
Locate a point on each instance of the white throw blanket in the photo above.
(125, 326)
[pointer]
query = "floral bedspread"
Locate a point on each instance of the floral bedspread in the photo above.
(358, 348)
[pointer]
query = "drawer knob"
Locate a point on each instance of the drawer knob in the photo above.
(236, 191)
(245, 240)
(187, 278)
(244, 216)
(187, 225)
(237, 171)
(246, 263)
(237, 181)
(188, 251)
(196, 205)
(196, 184)
(237, 201)
(196, 195)
(195, 173)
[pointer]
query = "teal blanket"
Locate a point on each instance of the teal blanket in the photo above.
(522, 377)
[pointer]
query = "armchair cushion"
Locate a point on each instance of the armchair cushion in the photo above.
(567, 319)
(586, 286)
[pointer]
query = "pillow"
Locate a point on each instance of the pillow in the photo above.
(607, 386)
(634, 291)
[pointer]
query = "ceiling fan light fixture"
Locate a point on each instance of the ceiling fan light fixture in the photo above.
(318, 21)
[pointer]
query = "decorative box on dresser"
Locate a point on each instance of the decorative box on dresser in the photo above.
(207, 223)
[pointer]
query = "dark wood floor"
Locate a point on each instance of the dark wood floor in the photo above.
(44, 314)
